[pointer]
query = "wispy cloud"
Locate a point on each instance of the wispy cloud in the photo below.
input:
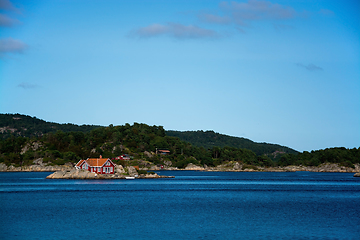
(242, 13)
(175, 30)
(10, 45)
(310, 67)
(211, 18)
(26, 85)
(283, 27)
(326, 12)
(5, 20)
(7, 5)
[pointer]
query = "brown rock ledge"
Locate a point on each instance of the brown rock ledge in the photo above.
(83, 174)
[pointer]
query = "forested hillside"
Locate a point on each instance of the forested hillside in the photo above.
(26, 126)
(142, 142)
(139, 140)
(210, 139)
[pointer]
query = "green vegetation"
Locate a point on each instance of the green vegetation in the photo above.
(26, 126)
(210, 139)
(141, 142)
(142, 172)
(343, 156)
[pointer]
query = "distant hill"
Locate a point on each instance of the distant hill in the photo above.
(58, 144)
(210, 139)
(26, 126)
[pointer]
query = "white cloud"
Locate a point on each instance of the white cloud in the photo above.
(283, 27)
(175, 30)
(152, 30)
(7, 5)
(310, 67)
(10, 45)
(26, 85)
(257, 10)
(211, 18)
(326, 12)
(6, 21)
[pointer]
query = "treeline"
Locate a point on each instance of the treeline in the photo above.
(26, 126)
(24, 139)
(142, 142)
(137, 140)
(210, 139)
(343, 156)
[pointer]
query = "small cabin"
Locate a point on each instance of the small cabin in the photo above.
(123, 157)
(164, 152)
(97, 165)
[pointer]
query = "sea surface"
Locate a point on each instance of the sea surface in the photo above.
(193, 205)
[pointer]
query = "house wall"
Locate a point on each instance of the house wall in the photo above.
(112, 170)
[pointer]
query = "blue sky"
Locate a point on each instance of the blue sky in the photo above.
(285, 72)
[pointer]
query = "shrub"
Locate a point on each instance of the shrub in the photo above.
(142, 172)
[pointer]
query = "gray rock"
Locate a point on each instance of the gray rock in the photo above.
(73, 174)
(192, 166)
(39, 161)
(132, 171)
(154, 168)
(357, 174)
(3, 167)
(167, 163)
(237, 166)
(33, 145)
(148, 154)
(119, 169)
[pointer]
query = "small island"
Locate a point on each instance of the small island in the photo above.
(83, 174)
(103, 168)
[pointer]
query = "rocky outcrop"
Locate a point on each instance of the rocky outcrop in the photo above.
(119, 169)
(83, 174)
(34, 168)
(237, 166)
(325, 167)
(167, 163)
(72, 174)
(39, 162)
(3, 167)
(192, 166)
(357, 174)
(154, 168)
(132, 171)
(149, 155)
(233, 166)
(32, 145)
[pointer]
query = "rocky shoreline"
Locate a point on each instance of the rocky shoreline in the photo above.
(237, 167)
(83, 174)
(35, 168)
(68, 171)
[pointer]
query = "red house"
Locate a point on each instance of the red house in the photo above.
(97, 165)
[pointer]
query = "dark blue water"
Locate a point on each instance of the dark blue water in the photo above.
(194, 205)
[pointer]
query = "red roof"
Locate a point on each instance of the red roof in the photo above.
(94, 162)
(79, 163)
